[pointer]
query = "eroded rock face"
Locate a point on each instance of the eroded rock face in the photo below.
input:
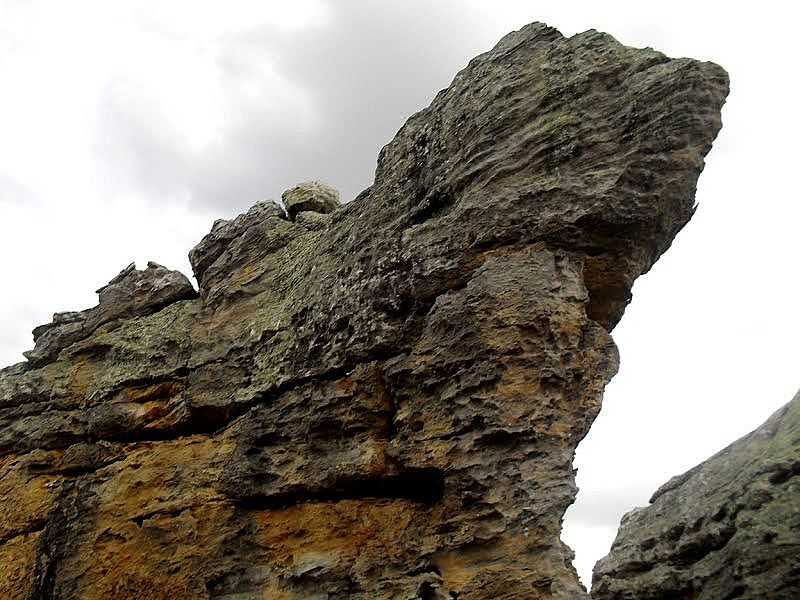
(216, 256)
(382, 402)
(728, 528)
(131, 293)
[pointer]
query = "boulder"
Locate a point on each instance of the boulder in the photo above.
(311, 196)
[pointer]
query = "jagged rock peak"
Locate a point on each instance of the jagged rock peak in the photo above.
(728, 528)
(223, 232)
(382, 402)
(131, 293)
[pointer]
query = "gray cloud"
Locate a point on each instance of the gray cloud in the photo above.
(14, 192)
(605, 507)
(364, 73)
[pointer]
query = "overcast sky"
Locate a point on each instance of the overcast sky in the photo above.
(126, 128)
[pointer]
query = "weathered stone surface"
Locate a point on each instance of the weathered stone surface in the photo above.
(131, 293)
(728, 528)
(223, 233)
(384, 404)
(311, 196)
(312, 220)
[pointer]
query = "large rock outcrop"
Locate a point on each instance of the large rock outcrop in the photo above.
(382, 402)
(728, 528)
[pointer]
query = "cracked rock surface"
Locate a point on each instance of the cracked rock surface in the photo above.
(728, 528)
(382, 401)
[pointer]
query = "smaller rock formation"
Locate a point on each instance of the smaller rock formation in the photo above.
(131, 293)
(311, 196)
(728, 528)
(237, 246)
(205, 255)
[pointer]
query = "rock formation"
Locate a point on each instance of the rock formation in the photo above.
(381, 402)
(312, 197)
(130, 294)
(728, 528)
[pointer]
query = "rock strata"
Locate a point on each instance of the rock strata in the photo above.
(728, 528)
(382, 401)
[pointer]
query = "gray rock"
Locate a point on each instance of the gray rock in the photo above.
(728, 528)
(130, 294)
(313, 221)
(236, 269)
(205, 253)
(135, 293)
(310, 196)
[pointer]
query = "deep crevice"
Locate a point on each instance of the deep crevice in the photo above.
(61, 536)
(423, 486)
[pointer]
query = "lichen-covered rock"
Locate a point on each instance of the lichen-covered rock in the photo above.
(313, 221)
(131, 293)
(311, 196)
(223, 233)
(728, 528)
(383, 403)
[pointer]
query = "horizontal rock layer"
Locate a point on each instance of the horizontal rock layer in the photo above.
(728, 528)
(383, 401)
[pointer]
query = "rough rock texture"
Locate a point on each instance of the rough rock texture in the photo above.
(217, 253)
(310, 196)
(131, 293)
(382, 402)
(728, 528)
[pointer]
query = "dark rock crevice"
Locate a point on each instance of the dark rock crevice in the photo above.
(423, 486)
(61, 537)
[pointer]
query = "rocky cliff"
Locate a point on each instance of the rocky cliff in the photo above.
(379, 400)
(728, 528)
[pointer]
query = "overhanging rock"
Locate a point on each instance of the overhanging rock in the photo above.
(382, 402)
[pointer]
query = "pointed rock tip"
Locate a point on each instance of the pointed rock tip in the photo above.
(224, 231)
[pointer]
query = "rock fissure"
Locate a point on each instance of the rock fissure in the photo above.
(424, 486)
(34, 527)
